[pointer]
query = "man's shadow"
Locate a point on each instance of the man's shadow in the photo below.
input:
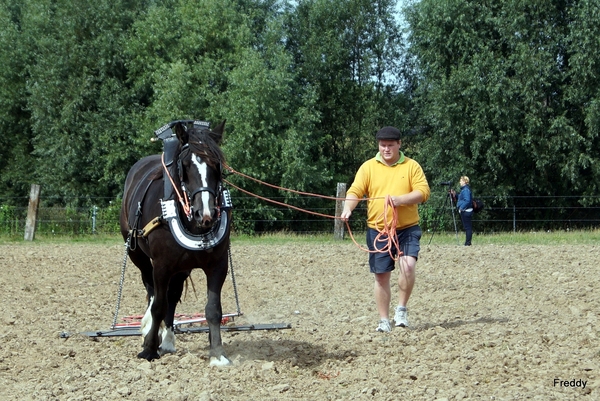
(459, 323)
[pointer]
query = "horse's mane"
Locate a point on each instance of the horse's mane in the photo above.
(203, 144)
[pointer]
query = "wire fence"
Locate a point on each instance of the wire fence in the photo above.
(61, 221)
(252, 216)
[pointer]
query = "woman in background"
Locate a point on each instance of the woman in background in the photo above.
(464, 204)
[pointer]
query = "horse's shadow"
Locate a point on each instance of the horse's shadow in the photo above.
(458, 323)
(309, 355)
(298, 353)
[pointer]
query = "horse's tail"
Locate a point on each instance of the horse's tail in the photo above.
(189, 278)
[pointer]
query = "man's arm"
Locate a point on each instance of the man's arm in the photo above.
(420, 192)
(349, 204)
(411, 198)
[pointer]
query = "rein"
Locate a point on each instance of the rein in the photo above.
(388, 230)
(184, 200)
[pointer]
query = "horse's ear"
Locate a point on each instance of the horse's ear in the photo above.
(181, 133)
(219, 130)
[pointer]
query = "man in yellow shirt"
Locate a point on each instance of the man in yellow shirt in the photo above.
(390, 177)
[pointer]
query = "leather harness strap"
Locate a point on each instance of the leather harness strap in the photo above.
(155, 222)
(135, 213)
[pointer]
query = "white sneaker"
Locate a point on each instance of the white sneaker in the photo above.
(401, 317)
(384, 326)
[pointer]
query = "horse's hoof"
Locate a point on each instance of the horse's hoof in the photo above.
(167, 345)
(220, 361)
(166, 350)
(149, 356)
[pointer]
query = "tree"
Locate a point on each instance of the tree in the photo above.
(583, 97)
(496, 87)
(81, 109)
(16, 167)
(305, 86)
(348, 52)
(272, 135)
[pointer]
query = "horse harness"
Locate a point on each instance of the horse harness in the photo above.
(170, 213)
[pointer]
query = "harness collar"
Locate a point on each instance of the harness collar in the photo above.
(201, 242)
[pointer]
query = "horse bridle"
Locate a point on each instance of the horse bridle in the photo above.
(216, 194)
(205, 189)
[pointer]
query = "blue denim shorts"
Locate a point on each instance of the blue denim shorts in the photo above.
(408, 240)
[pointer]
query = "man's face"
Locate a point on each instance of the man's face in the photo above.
(390, 150)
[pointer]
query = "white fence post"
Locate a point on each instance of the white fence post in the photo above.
(338, 227)
(32, 211)
(94, 212)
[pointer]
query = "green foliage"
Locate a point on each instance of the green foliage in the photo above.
(16, 172)
(81, 109)
(509, 89)
(106, 219)
(61, 221)
(348, 53)
(8, 220)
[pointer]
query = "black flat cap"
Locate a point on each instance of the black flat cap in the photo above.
(388, 133)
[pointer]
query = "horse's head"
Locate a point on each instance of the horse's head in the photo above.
(200, 162)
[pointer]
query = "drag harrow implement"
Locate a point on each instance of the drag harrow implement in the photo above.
(183, 323)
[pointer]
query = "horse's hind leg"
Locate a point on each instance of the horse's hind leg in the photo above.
(214, 314)
(167, 344)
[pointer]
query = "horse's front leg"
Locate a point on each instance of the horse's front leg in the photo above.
(158, 310)
(174, 292)
(146, 323)
(214, 316)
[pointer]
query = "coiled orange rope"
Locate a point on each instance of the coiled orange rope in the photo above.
(388, 233)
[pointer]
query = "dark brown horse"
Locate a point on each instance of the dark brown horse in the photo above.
(176, 217)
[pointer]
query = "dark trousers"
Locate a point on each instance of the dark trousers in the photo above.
(467, 222)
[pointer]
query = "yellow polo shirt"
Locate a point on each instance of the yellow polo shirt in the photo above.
(376, 179)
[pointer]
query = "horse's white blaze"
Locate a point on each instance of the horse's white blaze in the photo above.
(167, 344)
(219, 362)
(147, 319)
(203, 171)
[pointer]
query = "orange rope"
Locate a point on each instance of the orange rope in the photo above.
(185, 203)
(280, 203)
(228, 168)
(388, 230)
(387, 234)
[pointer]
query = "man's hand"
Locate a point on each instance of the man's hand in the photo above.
(349, 205)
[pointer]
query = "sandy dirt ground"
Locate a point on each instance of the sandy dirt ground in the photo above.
(487, 322)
